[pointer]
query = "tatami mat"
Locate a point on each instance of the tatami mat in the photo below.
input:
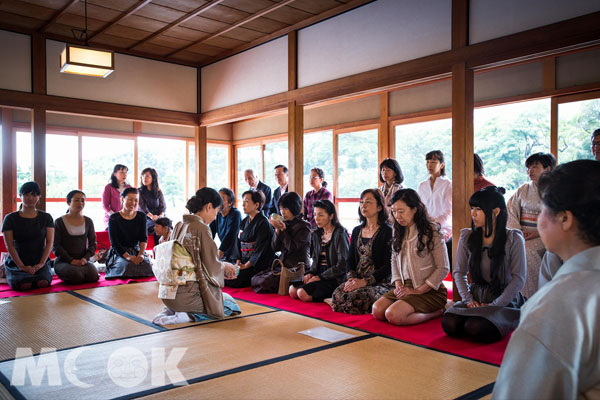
(210, 348)
(141, 300)
(376, 368)
(59, 320)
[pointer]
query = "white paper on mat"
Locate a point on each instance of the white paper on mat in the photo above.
(327, 334)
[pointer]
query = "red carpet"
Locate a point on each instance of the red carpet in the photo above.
(429, 334)
(59, 286)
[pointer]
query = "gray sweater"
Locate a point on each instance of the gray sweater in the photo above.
(67, 247)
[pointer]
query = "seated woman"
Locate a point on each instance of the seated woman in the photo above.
(127, 234)
(152, 202)
(368, 276)
(292, 239)
(75, 243)
(111, 197)
(329, 253)
(28, 235)
(255, 240)
(419, 265)
(163, 227)
(201, 298)
(227, 227)
(319, 192)
(558, 330)
(390, 174)
(495, 258)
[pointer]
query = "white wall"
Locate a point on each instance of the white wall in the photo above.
(378, 34)
(258, 72)
(578, 68)
(430, 96)
(339, 113)
(510, 81)
(260, 127)
(136, 81)
(15, 62)
(489, 19)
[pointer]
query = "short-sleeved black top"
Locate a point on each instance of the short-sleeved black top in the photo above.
(29, 234)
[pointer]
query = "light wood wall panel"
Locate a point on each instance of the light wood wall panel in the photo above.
(578, 68)
(255, 73)
(510, 81)
(136, 81)
(343, 112)
(15, 61)
(220, 132)
(430, 96)
(490, 19)
(378, 34)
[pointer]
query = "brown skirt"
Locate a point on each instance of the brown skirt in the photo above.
(429, 302)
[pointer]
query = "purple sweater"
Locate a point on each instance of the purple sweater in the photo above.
(111, 202)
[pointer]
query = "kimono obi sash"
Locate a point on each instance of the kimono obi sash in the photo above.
(247, 249)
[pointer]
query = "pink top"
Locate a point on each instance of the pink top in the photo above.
(111, 201)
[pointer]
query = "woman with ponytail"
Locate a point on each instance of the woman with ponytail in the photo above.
(494, 256)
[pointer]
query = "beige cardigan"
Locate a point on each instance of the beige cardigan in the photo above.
(429, 267)
(195, 235)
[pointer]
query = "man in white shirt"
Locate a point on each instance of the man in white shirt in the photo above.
(281, 176)
(436, 192)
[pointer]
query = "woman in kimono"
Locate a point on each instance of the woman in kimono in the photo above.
(523, 209)
(255, 240)
(495, 258)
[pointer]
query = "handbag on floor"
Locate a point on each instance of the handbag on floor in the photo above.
(287, 275)
(277, 279)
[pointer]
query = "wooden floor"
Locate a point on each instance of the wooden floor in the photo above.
(100, 343)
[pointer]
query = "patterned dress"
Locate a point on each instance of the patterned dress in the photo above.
(524, 207)
(361, 300)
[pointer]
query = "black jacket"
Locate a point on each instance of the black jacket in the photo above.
(337, 257)
(267, 192)
(276, 197)
(293, 242)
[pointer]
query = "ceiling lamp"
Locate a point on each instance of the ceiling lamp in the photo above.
(86, 60)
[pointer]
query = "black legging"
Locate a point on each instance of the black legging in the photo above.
(477, 329)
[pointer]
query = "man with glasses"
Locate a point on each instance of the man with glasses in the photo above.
(596, 144)
(281, 176)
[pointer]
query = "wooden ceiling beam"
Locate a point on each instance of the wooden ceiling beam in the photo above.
(57, 15)
(233, 26)
(302, 24)
(180, 21)
(121, 17)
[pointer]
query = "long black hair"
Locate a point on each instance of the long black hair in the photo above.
(113, 179)
(425, 226)
(154, 187)
(329, 208)
(394, 166)
(488, 199)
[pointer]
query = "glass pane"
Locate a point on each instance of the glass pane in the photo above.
(318, 153)
(100, 154)
(58, 209)
(506, 135)
(275, 153)
(167, 157)
(94, 210)
(218, 166)
(24, 165)
(247, 158)
(192, 169)
(357, 162)
(348, 215)
(61, 165)
(576, 122)
(413, 141)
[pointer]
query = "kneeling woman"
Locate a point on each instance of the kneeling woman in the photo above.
(255, 240)
(329, 253)
(495, 258)
(28, 235)
(368, 259)
(202, 298)
(419, 265)
(75, 243)
(128, 238)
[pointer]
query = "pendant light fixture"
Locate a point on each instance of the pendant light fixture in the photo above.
(84, 60)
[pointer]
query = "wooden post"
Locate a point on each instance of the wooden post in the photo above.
(383, 142)
(462, 152)
(201, 170)
(38, 139)
(9, 163)
(39, 63)
(293, 60)
(295, 147)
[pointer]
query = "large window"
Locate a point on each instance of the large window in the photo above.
(24, 164)
(318, 153)
(576, 122)
(167, 157)
(414, 141)
(62, 174)
(506, 135)
(217, 166)
(275, 153)
(248, 157)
